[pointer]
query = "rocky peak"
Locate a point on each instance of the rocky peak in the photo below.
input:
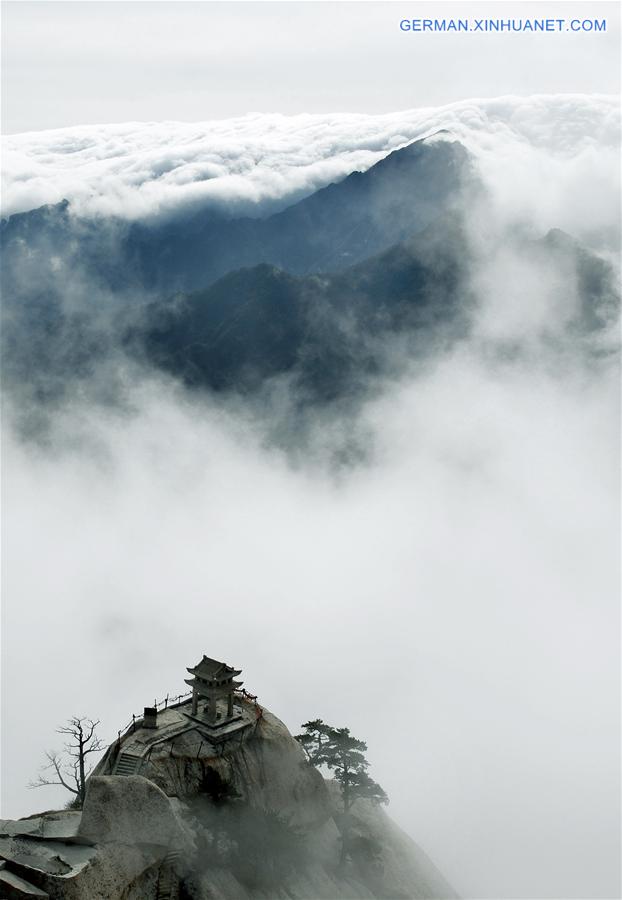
(239, 819)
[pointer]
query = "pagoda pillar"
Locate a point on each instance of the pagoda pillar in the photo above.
(230, 705)
(195, 701)
(211, 709)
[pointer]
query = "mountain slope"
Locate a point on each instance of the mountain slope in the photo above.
(333, 228)
(331, 330)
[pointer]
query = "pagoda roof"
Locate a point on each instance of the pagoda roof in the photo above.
(220, 690)
(211, 669)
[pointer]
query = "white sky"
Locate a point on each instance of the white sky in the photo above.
(69, 63)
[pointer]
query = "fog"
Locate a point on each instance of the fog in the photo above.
(451, 596)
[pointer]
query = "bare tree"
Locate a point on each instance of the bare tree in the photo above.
(69, 768)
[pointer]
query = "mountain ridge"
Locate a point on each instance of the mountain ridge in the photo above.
(334, 227)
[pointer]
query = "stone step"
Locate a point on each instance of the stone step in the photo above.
(168, 882)
(127, 764)
(132, 746)
(13, 887)
(168, 885)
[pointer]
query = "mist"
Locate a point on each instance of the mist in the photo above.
(453, 602)
(449, 592)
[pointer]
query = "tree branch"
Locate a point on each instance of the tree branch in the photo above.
(54, 764)
(82, 740)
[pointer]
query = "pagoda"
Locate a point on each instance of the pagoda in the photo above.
(212, 681)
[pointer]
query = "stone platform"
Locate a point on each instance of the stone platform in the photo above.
(131, 755)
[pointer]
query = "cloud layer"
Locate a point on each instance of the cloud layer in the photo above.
(555, 145)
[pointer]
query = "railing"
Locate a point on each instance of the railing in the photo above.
(157, 705)
(110, 755)
(252, 698)
(177, 700)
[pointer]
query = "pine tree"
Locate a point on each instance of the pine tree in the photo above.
(344, 754)
(315, 736)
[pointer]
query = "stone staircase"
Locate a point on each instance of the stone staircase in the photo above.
(127, 764)
(168, 880)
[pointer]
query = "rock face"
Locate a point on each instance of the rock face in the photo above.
(268, 771)
(131, 811)
(248, 820)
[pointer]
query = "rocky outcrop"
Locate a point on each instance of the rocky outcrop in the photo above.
(268, 771)
(249, 819)
(131, 811)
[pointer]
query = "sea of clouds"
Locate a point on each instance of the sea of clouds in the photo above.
(452, 596)
(550, 157)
